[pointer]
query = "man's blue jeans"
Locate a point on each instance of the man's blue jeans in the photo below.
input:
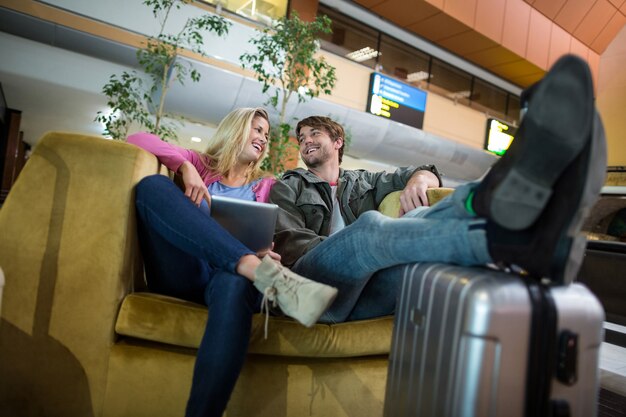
(350, 259)
(190, 256)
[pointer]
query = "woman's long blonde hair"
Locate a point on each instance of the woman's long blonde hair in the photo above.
(229, 140)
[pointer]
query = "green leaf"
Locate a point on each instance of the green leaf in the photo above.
(127, 96)
(285, 59)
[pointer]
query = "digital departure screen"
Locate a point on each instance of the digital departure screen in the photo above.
(396, 100)
(499, 136)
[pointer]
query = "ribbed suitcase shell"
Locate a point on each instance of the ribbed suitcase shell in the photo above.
(461, 338)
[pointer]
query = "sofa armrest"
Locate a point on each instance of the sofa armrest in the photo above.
(1, 286)
(390, 206)
(70, 254)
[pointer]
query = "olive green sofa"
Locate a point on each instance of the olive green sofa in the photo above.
(80, 336)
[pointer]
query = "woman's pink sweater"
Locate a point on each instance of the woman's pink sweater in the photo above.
(173, 156)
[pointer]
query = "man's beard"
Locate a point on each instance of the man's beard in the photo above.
(316, 161)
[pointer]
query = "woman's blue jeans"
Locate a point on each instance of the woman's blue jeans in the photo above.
(362, 260)
(190, 256)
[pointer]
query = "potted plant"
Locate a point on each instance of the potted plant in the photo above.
(139, 98)
(286, 58)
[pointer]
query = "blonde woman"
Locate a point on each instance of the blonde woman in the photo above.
(189, 255)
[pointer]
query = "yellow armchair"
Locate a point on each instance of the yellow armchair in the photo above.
(79, 336)
(69, 251)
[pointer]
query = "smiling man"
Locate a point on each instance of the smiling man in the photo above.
(324, 199)
(526, 212)
(330, 197)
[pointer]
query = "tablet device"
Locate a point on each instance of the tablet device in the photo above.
(250, 222)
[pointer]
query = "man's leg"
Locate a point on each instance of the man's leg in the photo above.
(537, 196)
(348, 259)
(451, 206)
(569, 171)
(553, 133)
(378, 296)
(553, 246)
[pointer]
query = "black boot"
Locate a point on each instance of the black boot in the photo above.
(553, 246)
(552, 134)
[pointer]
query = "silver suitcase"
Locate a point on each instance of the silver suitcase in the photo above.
(476, 342)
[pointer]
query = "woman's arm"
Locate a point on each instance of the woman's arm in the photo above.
(180, 160)
(171, 156)
(195, 188)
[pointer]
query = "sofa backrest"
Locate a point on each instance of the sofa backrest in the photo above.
(69, 251)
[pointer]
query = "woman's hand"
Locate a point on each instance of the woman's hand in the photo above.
(195, 188)
(270, 252)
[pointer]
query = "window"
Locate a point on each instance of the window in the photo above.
(450, 81)
(487, 97)
(351, 40)
(263, 11)
(513, 108)
(361, 43)
(401, 61)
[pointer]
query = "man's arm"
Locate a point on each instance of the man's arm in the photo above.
(385, 183)
(414, 193)
(292, 238)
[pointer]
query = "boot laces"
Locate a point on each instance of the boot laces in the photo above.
(290, 285)
(269, 296)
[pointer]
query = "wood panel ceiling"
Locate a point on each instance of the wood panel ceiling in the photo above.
(516, 40)
(593, 22)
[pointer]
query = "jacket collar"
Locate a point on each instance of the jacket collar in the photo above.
(311, 178)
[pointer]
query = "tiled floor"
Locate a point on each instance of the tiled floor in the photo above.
(613, 357)
(611, 404)
(613, 377)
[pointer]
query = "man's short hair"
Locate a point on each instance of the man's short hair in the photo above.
(332, 128)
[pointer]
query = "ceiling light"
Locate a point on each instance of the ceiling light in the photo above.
(418, 76)
(460, 94)
(363, 54)
(196, 139)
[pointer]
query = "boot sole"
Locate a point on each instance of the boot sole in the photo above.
(571, 248)
(559, 123)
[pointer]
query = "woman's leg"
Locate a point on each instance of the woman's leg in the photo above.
(232, 300)
(187, 255)
(164, 211)
(166, 215)
(183, 250)
(171, 271)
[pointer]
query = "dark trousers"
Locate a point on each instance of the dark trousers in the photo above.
(190, 256)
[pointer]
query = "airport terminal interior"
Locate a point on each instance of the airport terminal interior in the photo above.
(417, 82)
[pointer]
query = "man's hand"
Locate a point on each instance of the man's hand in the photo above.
(194, 186)
(414, 193)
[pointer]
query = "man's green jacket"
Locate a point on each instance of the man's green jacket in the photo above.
(306, 205)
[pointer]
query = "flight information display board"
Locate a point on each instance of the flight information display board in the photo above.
(499, 136)
(396, 100)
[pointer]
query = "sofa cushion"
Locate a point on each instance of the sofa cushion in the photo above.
(390, 206)
(159, 318)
